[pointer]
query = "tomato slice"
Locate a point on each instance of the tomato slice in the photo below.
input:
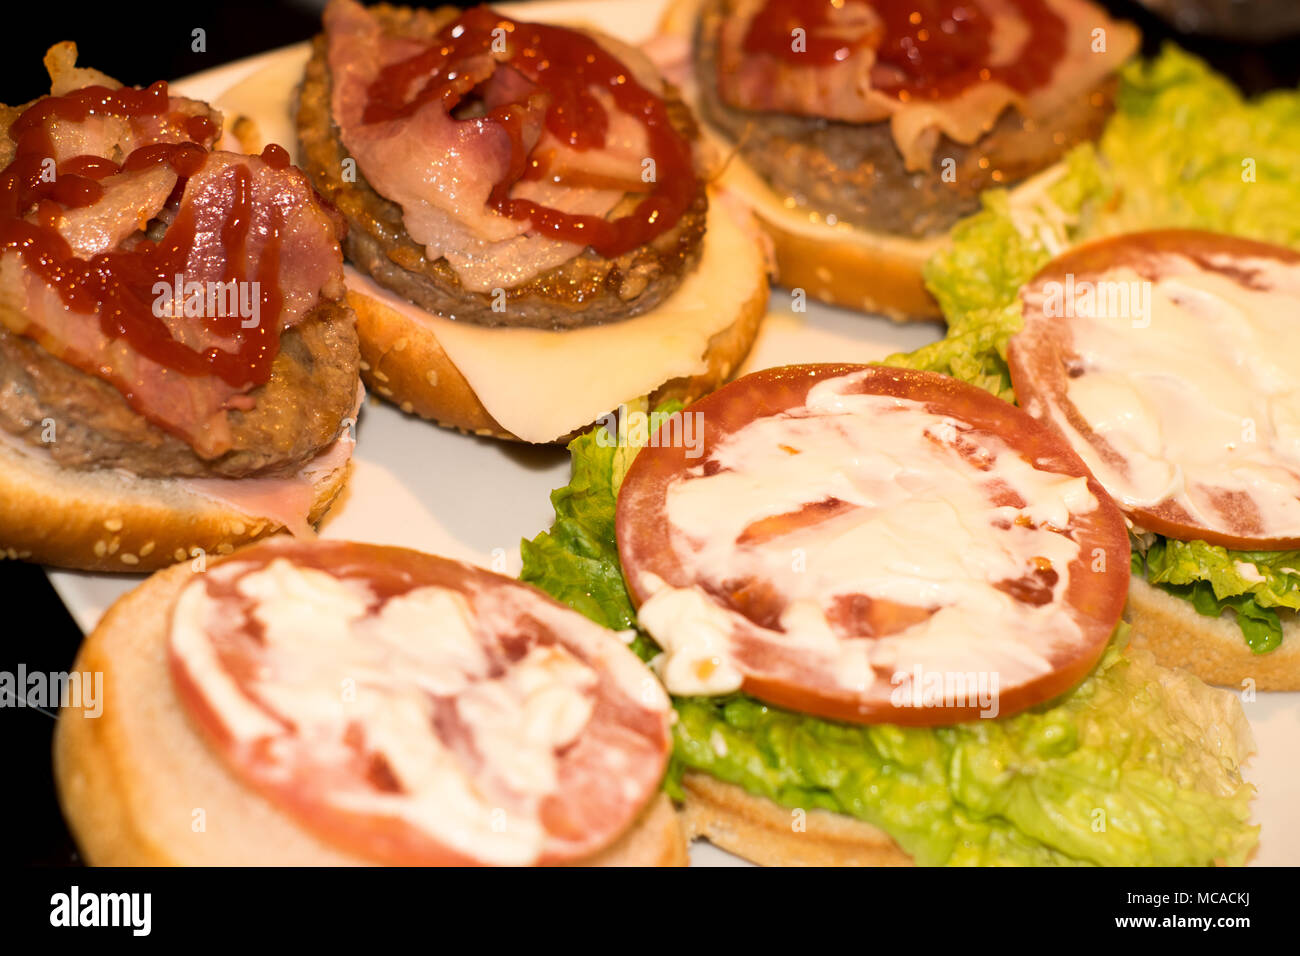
(451, 716)
(1175, 410)
(848, 535)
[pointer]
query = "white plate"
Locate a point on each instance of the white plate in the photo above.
(424, 487)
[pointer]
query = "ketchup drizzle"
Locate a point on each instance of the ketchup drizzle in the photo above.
(927, 49)
(118, 284)
(560, 66)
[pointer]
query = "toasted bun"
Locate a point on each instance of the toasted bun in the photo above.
(761, 831)
(140, 787)
(402, 361)
(852, 268)
(1212, 648)
(109, 520)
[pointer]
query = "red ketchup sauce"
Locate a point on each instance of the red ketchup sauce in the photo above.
(563, 65)
(925, 49)
(118, 284)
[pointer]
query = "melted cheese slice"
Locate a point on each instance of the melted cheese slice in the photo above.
(921, 531)
(1201, 392)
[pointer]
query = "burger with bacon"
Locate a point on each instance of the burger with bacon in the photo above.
(863, 130)
(533, 240)
(179, 363)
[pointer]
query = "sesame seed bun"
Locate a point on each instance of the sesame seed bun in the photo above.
(110, 520)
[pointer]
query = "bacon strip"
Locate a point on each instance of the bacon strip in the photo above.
(285, 215)
(848, 90)
(441, 169)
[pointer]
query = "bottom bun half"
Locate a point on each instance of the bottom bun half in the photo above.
(1212, 648)
(140, 787)
(110, 520)
(772, 835)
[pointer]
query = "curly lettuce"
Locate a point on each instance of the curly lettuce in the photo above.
(1255, 584)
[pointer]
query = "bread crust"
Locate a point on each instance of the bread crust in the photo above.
(403, 362)
(762, 831)
(140, 787)
(1211, 648)
(859, 273)
(108, 520)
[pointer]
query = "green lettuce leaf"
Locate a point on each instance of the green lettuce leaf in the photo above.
(1137, 765)
(576, 562)
(1253, 583)
(1183, 149)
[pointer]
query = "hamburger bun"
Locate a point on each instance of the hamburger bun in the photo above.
(402, 360)
(771, 835)
(1212, 648)
(109, 520)
(131, 780)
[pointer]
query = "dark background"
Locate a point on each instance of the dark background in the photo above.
(140, 43)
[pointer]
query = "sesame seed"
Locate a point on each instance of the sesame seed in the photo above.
(128, 558)
(146, 549)
(380, 376)
(431, 377)
(113, 524)
(237, 527)
(101, 548)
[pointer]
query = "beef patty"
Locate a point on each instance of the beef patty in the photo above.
(587, 290)
(298, 413)
(854, 172)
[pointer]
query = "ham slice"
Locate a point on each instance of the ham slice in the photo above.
(850, 90)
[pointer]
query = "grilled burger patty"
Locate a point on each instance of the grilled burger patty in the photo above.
(587, 290)
(298, 413)
(854, 172)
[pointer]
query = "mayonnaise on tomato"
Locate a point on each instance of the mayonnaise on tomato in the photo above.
(466, 716)
(921, 513)
(1199, 400)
